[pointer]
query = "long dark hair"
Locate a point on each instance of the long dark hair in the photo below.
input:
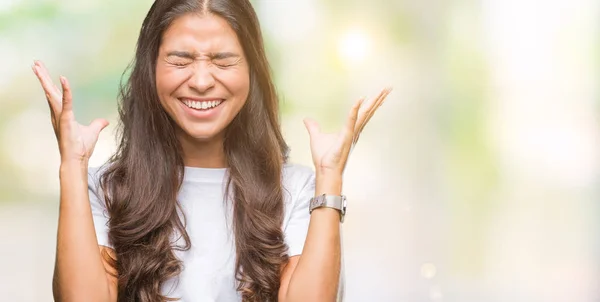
(144, 176)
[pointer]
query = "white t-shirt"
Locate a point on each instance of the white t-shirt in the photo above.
(209, 266)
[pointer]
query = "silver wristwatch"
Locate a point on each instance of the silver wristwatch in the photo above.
(330, 201)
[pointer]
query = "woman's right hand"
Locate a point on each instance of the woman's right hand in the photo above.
(75, 141)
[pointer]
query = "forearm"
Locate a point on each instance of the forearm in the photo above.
(316, 276)
(78, 273)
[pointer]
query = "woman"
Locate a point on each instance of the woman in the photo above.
(198, 203)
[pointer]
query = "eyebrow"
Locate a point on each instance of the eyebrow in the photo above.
(212, 56)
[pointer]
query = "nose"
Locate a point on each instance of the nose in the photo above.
(202, 78)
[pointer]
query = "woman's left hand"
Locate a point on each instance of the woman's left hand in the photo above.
(330, 150)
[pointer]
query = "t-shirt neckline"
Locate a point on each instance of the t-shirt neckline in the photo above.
(204, 174)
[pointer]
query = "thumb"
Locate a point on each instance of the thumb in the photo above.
(98, 125)
(311, 126)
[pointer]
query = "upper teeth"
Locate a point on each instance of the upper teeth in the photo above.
(201, 105)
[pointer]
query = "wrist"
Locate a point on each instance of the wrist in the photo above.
(328, 183)
(73, 166)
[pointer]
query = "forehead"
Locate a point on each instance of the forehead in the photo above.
(200, 33)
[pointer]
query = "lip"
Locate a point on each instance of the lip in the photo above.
(200, 99)
(201, 114)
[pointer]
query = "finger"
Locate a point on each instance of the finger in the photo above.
(46, 75)
(367, 107)
(98, 125)
(364, 110)
(378, 101)
(67, 98)
(52, 116)
(362, 117)
(380, 97)
(370, 114)
(347, 139)
(311, 126)
(46, 80)
(52, 98)
(353, 116)
(54, 125)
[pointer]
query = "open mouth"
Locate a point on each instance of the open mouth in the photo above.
(202, 105)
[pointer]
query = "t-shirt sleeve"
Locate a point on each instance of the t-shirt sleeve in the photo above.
(99, 213)
(297, 227)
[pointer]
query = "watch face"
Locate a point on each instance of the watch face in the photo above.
(317, 201)
(320, 200)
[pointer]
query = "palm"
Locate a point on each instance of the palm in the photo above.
(326, 149)
(330, 151)
(89, 137)
(82, 138)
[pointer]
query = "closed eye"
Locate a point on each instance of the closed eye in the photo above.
(179, 58)
(224, 63)
(178, 62)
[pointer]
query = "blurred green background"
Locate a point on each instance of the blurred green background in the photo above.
(476, 181)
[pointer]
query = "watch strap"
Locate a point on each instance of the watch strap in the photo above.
(337, 202)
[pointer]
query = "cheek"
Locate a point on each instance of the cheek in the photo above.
(160, 79)
(167, 81)
(239, 84)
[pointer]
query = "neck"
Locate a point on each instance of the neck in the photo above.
(202, 153)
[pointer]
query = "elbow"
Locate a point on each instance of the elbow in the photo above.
(56, 288)
(313, 296)
(62, 294)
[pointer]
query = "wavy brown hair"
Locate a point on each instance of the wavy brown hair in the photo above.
(144, 175)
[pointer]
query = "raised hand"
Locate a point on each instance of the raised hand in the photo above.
(330, 151)
(76, 142)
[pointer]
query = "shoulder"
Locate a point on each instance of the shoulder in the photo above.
(95, 172)
(297, 176)
(298, 186)
(94, 175)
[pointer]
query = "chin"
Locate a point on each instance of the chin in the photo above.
(202, 135)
